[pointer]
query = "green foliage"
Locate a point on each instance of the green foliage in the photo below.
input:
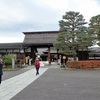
(73, 34)
(94, 28)
(8, 59)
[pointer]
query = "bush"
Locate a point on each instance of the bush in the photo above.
(84, 64)
(8, 59)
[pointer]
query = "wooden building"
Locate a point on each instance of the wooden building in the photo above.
(32, 41)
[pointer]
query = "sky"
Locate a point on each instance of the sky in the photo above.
(17, 16)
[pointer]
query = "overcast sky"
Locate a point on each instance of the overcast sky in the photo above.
(17, 16)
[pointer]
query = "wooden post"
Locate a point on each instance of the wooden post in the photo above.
(33, 54)
(49, 55)
(57, 56)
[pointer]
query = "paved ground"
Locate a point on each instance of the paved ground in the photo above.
(53, 83)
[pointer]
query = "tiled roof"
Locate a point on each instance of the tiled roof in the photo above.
(95, 49)
(33, 38)
(11, 45)
(40, 37)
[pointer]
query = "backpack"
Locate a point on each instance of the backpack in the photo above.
(37, 63)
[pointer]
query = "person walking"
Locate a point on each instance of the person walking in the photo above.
(37, 65)
(1, 69)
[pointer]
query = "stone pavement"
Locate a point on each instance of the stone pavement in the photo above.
(14, 85)
(55, 84)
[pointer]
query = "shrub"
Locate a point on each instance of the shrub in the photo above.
(84, 64)
(8, 59)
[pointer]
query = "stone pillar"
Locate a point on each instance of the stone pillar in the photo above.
(13, 63)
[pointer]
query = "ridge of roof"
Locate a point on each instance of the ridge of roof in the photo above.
(40, 32)
(13, 43)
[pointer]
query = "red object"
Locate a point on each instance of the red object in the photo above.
(84, 64)
(37, 61)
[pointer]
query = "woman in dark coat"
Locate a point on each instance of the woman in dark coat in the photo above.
(1, 71)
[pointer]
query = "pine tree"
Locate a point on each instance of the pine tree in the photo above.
(94, 28)
(73, 34)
